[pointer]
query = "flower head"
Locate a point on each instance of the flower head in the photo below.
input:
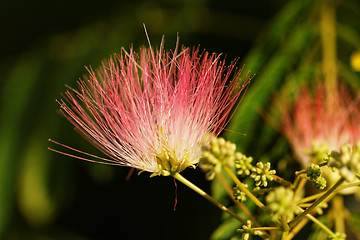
(281, 204)
(216, 154)
(154, 111)
(247, 231)
(328, 118)
(262, 173)
(347, 160)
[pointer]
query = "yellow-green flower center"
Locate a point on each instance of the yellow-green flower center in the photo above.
(169, 164)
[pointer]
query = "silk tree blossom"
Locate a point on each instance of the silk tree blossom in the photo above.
(326, 118)
(155, 110)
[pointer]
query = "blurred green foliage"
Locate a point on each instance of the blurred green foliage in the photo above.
(44, 195)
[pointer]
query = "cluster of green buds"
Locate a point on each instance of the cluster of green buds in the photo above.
(262, 173)
(220, 157)
(217, 154)
(347, 160)
(319, 152)
(243, 164)
(313, 174)
(247, 231)
(238, 194)
(221, 153)
(281, 204)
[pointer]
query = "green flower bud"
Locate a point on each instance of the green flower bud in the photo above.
(313, 172)
(347, 160)
(238, 194)
(320, 183)
(247, 231)
(217, 154)
(281, 204)
(243, 164)
(262, 174)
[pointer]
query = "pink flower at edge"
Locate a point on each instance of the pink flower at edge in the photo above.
(330, 118)
(153, 111)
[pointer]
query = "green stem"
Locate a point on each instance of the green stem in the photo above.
(265, 228)
(299, 187)
(281, 181)
(320, 224)
(310, 198)
(189, 184)
(315, 196)
(229, 190)
(243, 188)
(298, 173)
(354, 184)
(284, 235)
(337, 210)
(284, 224)
(316, 203)
(296, 182)
(242, 206)
(297, 228)
(328, 44)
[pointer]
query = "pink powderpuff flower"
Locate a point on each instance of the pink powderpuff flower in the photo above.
(155, 110)
(327, 117)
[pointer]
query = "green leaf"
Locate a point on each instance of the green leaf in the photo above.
(317, 232)
(16, 96)
(244, 121)
(35, 202)
(226, 230)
